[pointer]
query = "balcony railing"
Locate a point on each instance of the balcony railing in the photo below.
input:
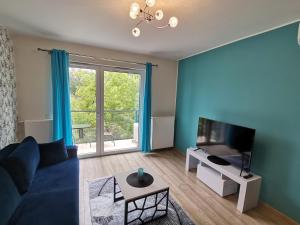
(118, 125)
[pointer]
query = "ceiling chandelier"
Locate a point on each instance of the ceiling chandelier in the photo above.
(147, 15)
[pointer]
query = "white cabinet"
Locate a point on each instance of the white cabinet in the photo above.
(222, 178)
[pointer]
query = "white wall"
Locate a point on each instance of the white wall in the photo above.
(34, 81)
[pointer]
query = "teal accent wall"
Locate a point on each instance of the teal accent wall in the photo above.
(255, 83)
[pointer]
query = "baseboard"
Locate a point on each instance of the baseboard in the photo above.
(181, 153)
(278, 213)
(162, 149)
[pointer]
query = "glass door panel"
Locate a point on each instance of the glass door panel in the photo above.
(83, 82)
(121, 107)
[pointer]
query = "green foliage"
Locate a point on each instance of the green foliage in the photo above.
(121, 91)
(121, 100)
(83, 96)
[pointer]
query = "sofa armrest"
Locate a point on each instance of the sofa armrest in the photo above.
(72, 151)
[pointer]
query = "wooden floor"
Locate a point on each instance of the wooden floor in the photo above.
(198, 201)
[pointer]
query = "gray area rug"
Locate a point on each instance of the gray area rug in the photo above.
(105, 212)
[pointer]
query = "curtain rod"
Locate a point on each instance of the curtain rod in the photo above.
(98, 64)
(105, 59)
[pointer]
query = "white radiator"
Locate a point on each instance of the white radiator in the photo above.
(41, 130)
(162, 135)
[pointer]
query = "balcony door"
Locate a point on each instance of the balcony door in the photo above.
(121, 110)
(105, 105)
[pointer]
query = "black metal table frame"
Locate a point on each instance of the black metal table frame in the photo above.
(126, 212)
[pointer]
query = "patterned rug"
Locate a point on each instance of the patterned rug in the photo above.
(105, 212)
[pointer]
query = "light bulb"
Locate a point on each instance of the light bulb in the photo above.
(136, 32)
(173, 22)
(150, 3)
(133, 15)
(135, 8)
(159, 14)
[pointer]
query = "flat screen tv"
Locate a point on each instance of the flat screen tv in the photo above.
(226, 143)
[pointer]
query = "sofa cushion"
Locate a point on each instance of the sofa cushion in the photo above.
(52, 153)
(6, 151)
(9, 197)
(22, 163)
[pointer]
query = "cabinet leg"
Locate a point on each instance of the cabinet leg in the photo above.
(191, 162)
(248, 195)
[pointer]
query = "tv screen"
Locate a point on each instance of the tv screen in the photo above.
(226, 141)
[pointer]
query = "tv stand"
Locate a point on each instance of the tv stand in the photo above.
(218, 160)
(215, 176)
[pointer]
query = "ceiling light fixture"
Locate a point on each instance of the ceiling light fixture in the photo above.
(147, 15)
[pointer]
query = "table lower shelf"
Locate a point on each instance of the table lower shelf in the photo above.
(143, 208)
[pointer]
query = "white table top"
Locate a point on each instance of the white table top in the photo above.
(131, 193)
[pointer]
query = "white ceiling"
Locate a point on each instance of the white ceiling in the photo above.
(203, 24)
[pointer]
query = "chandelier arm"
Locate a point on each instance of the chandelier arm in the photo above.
(139, 23)
(148, 12)
(159, 27)
(141, 15)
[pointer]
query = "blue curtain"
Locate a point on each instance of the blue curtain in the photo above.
(146, 114)
(62, 127)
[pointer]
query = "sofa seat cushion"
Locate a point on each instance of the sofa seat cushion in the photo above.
(22, 163)
(51, 208)
(53, 152)
(9, 197)
(64, 175)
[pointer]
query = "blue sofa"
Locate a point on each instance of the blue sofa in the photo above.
(51, 199)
